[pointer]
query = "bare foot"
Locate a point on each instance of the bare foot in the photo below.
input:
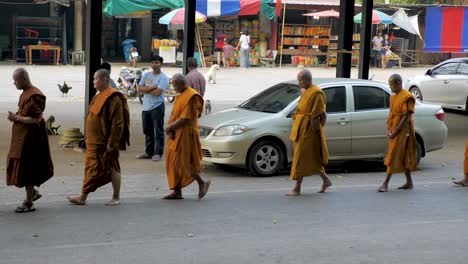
(76, 200)
(204, 190)
(461, 182)
(383, 188)
(293, 192)
(113, 202)
(173, 196)
(325, 185)
(406, 186)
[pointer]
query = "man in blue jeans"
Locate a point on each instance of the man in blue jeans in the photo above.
(152, 85)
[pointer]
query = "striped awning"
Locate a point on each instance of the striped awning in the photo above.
(215, 8)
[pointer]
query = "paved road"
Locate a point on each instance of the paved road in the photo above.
(243, 219)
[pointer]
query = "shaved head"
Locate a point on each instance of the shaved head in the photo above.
(179, 82)
(396, 78)
(21, 79)
(304, 77)
(103, 74)
(396, 83)
(101, 79)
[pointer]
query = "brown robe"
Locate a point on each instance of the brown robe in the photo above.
(401, 154)
(310, 146)
(183, 153)
(29, 162)
(107, 124)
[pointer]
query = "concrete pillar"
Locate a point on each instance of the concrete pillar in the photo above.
(365, 47)
(189, 32)
(144, 37)
(93, 47)
(345, 39)
(78, 25)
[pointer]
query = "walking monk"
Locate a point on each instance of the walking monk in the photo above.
(107, 132)
(308, 135)
(401, 154)
(464, 181)
(28, 163)
(183, 152)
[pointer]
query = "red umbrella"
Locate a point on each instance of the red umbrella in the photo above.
(328, 13)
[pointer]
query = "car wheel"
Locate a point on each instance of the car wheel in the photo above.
(418, 152)
(265, 158)
(416, 93)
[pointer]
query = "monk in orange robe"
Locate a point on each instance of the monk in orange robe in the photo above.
(107, 132)
(401, 153)
(183, 152)
(308, 135)
(464, 181)
(29, 162)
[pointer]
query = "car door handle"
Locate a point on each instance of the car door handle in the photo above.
(446, 81)
(342, 121)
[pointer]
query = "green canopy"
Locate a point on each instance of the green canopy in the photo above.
(120, 7)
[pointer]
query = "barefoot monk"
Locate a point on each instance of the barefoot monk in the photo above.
(308, 135)
(107, 132)
(183, 152)
(401, 153)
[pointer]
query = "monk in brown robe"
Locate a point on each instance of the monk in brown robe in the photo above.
(29, 162)
(464, 181)
(183, 152)
(107, 132)
(401, 153)
(308, 135)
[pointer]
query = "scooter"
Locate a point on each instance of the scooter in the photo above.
(128, 81)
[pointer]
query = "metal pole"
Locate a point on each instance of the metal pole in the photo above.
(282, 35)
(345, 39)
(189, 32)
(93, 47)
(366, 27)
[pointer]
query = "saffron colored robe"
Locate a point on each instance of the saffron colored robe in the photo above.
(183, 153)
(107, 124)
(29, 162)
(310, 147)
(401, 155)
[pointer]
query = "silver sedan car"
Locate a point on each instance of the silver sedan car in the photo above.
(445, 84)
(256, 133)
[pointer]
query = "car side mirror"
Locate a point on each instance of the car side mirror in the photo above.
(429, 72)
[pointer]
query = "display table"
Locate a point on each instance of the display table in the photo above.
(396, 59)
(30, 48)
(168, 53)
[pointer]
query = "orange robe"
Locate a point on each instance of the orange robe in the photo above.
(29, 162)
(310, 147)
(107, 124)
(401, 155)
(183, 153)
(465, 165)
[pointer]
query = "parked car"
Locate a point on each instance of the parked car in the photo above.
(445, 84)
(256, 133)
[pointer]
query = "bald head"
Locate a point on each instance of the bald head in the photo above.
(21, 79)
(101, 79)
(396, 82)
(179, 82)
(304, 77)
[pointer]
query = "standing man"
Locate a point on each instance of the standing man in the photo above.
(244, 44)
(308, 135)
(401, 155)
(376, 48)
(107, 66)
(152, 85)
(464, 181)
(107, 132)
(183, 153)
(29, 162)
(194, 78)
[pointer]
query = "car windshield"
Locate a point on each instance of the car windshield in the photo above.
(274, 99)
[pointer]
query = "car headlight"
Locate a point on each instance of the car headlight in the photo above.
(230, 130)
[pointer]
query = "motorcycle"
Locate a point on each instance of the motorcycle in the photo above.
(128, 81)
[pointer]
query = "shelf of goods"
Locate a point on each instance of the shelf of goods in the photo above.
(206, 36)
(332, 54)
(307, 45)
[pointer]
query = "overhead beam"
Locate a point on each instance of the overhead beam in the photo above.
(365, 47)
(345, 39)
(189, 32)
(93, 47)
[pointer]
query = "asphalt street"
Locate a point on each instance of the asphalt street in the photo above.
(243, 219)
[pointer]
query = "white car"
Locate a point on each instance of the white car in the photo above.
(445, 84)
(256, 133)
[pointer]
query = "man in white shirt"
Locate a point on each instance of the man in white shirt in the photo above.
(376, 48)
(244, 43)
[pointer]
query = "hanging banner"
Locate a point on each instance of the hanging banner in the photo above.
(446, 29)
(410, 24)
